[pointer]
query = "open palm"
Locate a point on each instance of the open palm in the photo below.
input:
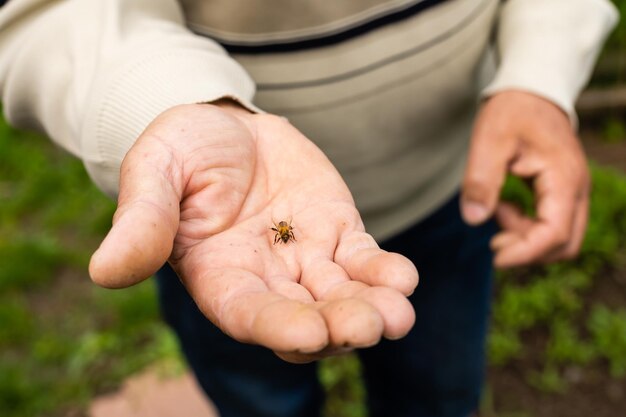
(204, 185)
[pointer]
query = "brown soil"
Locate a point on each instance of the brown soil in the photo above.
(590, 393)
(149, 395)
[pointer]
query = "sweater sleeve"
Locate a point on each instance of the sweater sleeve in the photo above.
(549, 47)
(92, 74)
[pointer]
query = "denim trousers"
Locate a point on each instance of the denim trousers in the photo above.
(437, 370)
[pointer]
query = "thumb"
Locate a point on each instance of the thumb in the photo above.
(144, 224)
(486, 170)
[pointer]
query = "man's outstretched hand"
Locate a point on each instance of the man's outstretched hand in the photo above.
(202, 187)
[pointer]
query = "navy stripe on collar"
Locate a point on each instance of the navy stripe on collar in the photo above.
(328, 39)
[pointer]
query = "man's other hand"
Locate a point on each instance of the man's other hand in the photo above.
(529, 137)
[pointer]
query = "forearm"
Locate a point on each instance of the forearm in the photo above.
(549, 47)
(92, 74)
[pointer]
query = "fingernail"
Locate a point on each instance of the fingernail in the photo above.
(474, 213)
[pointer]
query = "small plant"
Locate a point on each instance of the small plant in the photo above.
(566, 346)
(547, 380)
(608, 330)
(520, 307)
(503, 346)
(345, 393)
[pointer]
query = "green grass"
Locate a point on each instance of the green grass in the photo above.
(62, 339)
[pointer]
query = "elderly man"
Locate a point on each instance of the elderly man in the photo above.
(373, 145)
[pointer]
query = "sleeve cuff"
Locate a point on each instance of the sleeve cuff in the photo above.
(130, 99)
(549, 47)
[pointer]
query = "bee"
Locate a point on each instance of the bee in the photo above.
(284, 232)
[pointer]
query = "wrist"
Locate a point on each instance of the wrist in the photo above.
(531, 103)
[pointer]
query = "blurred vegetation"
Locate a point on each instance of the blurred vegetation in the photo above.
(63, 340)
(341, 378)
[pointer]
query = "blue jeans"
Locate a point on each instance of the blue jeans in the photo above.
(436, 370)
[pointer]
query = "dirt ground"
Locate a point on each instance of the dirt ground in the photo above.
(149, 395)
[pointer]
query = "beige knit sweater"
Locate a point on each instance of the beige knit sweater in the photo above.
(386, 88)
